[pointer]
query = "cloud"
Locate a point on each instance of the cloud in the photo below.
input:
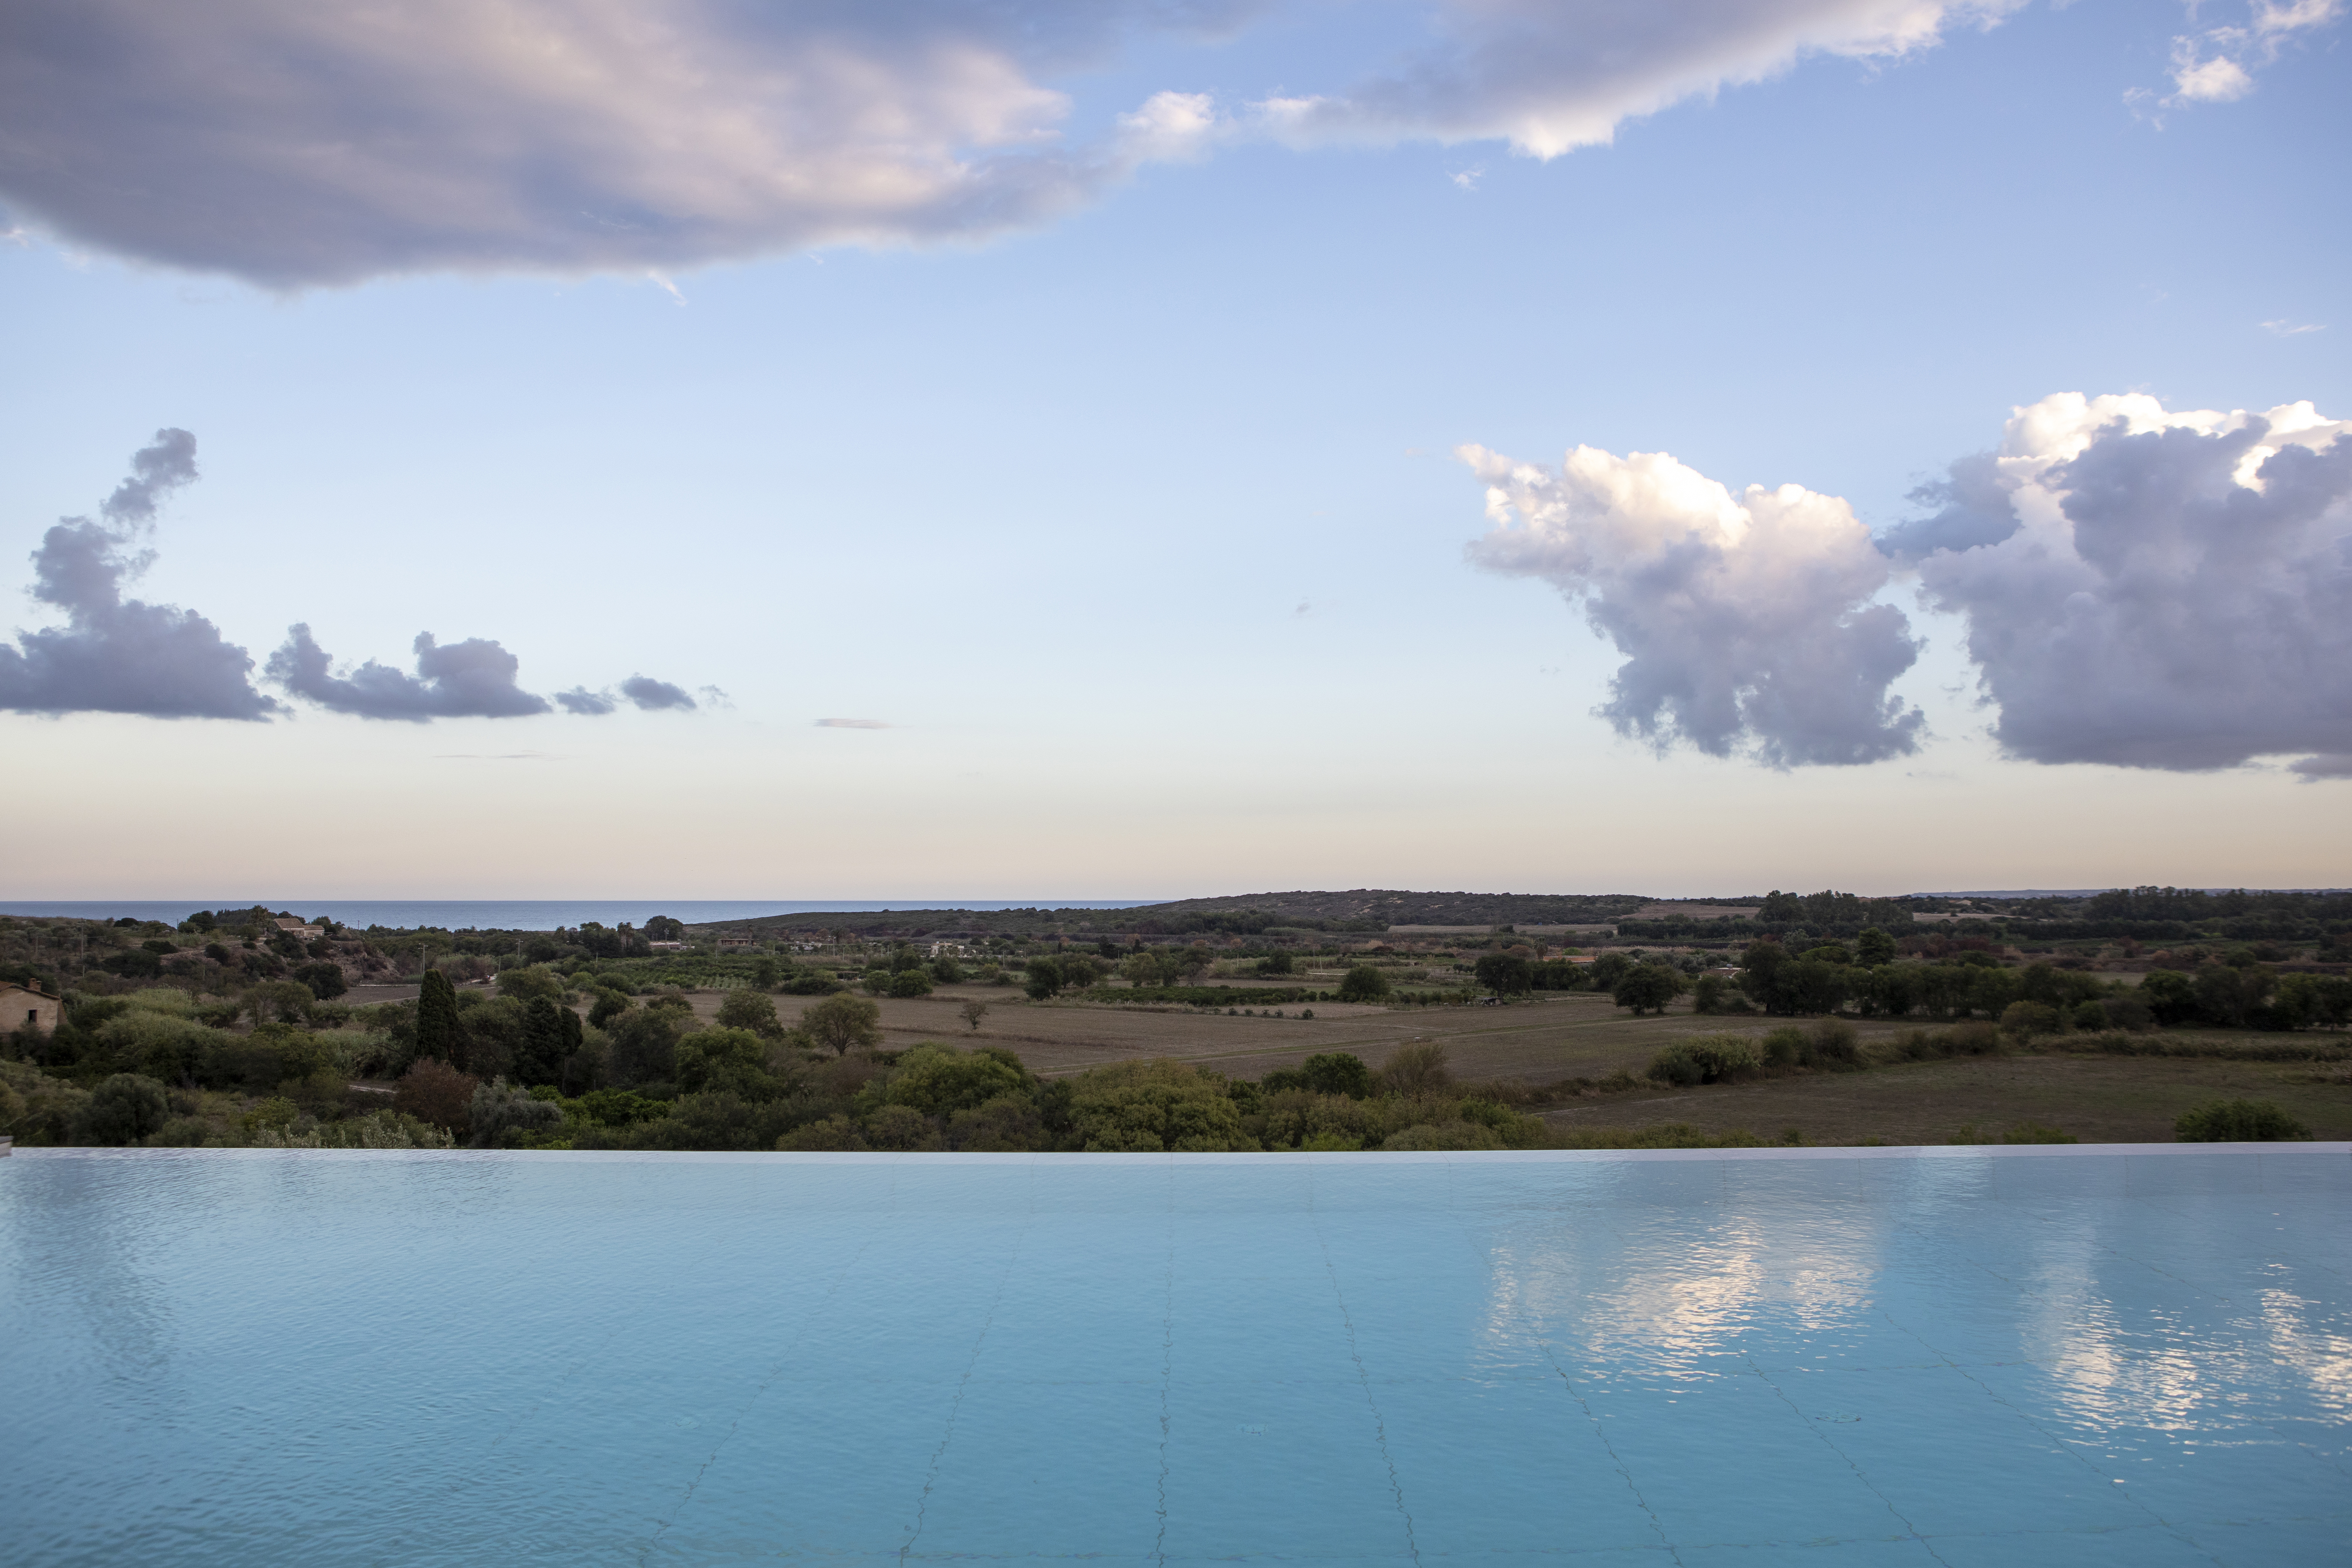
(469, 680)
(852, 724)
(2337, 765)
(2287, 329)
(123, 655)
(652, 695)
(2218, 65)
(1549, 79)
(1747, 624)
(639, 691)
(291, 145)
(2171, 589)
(579, 699)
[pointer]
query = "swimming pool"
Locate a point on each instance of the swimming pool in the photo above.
(2061, 1356)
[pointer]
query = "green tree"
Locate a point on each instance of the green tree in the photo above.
(1505, 973)
(608, 1005)
(1363, 983)
(1874, 946)
(434, 1091)
(1045, 981)
(125, 1108)
(747, 1009)
(910, 983)
(764, 975)
(539, 1055)
(939, 1080)
(724, 1062)
(662, 928)
(1647, 988)
(973, 1012)
(844, 1023)
(1126, 1108)
(1275, 963)
(325, 980)
(439, 1036)
(1337, 1073)
(946, 970)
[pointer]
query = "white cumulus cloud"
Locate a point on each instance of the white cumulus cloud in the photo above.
(2218, 64)
(1746, 622)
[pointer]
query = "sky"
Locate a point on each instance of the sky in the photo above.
(1176, 447)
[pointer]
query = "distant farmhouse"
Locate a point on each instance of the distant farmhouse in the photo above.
(295, 927)
(25, 1007)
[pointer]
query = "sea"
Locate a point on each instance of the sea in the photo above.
(524, 914)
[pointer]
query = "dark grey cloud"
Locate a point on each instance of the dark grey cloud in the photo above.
(1747, 624)
(469, 680)
(1973, 506)
(651, 694)
(2185, 614)
(292, 143)
(579, 699)
(115, 654)
(2313, 769)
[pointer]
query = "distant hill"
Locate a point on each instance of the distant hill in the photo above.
(1359, 909)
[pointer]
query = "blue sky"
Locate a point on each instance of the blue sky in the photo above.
(1137, 517)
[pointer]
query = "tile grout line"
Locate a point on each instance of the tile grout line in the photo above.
(955, 1405)
(1167, 1370)
(1910, 1529)
(1363, 1377)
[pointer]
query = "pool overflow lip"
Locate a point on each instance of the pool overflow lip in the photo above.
(1960, 1152)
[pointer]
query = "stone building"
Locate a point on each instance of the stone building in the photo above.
(23, 1006)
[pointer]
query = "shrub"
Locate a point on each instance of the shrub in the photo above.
(910, 983)
(1717, 1058)
(125, 1108)
(2238, 1122)
(833, 1134)
(1337, 1072)
(1647, 988)
(2127, 1013)
(1446, 1135)
(610, 1004)
(2025, 1020)
(733, 1061)
(1415, 1070)
(938, 1081)
(811, 983)
(436, 1092)
(325, 980)
(1146, 1106)
(499, 1108)
(1363, 983)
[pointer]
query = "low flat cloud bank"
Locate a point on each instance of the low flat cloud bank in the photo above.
(2140, 587)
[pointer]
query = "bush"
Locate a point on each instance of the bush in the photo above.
(611, 1003)
(811, 983)
(1647, 988)
(123, 1109)
(436, 1093)
(499, 1108)
(2026, 1020)
(1147, 1107)
(910, 983)
(1717, 1058)
(1446, 1135)
(2238, 1122)
(938, 1081)
(1363, 983)
(1337, 1072)
(1415, 1071)
(325, 980)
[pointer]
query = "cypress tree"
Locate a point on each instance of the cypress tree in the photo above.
(436, 1019)
(541, 1060)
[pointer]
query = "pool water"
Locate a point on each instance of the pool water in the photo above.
(2061, 1356)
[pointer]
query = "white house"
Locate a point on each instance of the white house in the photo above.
(28, 1007)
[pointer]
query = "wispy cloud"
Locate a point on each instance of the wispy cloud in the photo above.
(2285, 329)
(853, 724)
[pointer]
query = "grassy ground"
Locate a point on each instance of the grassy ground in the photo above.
(1539, 1042)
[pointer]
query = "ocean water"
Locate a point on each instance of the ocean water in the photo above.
(2063, 1357)
(519, 914)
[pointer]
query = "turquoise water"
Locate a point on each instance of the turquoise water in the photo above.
(2040, 1356)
